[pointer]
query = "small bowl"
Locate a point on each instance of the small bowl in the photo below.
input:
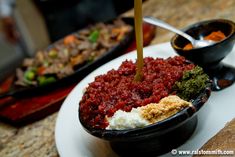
(210, 57)
(154, 139)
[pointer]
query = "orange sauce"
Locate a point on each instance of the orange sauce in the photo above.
(214, 36)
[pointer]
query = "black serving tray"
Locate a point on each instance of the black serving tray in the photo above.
(80, 72)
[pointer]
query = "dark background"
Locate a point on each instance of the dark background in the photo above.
(65, 16)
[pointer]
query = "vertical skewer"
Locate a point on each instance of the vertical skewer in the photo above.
(139, 38)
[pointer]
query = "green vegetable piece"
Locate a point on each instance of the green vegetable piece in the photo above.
(45, 63)
(93, 37)
(52, 53)
(43, 80)
(192, 83)
(29, 75)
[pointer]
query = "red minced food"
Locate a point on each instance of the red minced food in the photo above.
(118, 90)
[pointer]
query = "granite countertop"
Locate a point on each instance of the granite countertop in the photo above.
(37, 139)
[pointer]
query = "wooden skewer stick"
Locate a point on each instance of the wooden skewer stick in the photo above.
(139, 39)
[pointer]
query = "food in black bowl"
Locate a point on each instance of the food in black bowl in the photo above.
(72, 57)
(150, 117)
(222, 32)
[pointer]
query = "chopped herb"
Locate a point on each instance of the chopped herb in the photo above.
(93, 37)
(43, 80)
(192, 83)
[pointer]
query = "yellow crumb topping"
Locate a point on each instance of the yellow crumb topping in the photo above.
(167, 107)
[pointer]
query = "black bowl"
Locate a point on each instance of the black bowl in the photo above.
(155, 139)
(210, 57)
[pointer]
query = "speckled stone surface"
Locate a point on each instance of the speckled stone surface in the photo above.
(37, 139)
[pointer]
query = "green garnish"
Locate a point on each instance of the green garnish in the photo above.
(29, 75)
(93, 37)
(43, 80)
(192, 83)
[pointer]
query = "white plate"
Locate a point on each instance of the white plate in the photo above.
(73, 141)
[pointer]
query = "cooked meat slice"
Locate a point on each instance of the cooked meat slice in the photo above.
(100, 52)
(20, 77)
(79, 59)
(39, 58)
(119, 23)
(101, 26)
(67, 70)
(84, 45)
(105, 44)
(28, 62)
(53, 69)
(84, 32)
(74, 52)
(86, 54)
(63, 56)
(83, 37)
